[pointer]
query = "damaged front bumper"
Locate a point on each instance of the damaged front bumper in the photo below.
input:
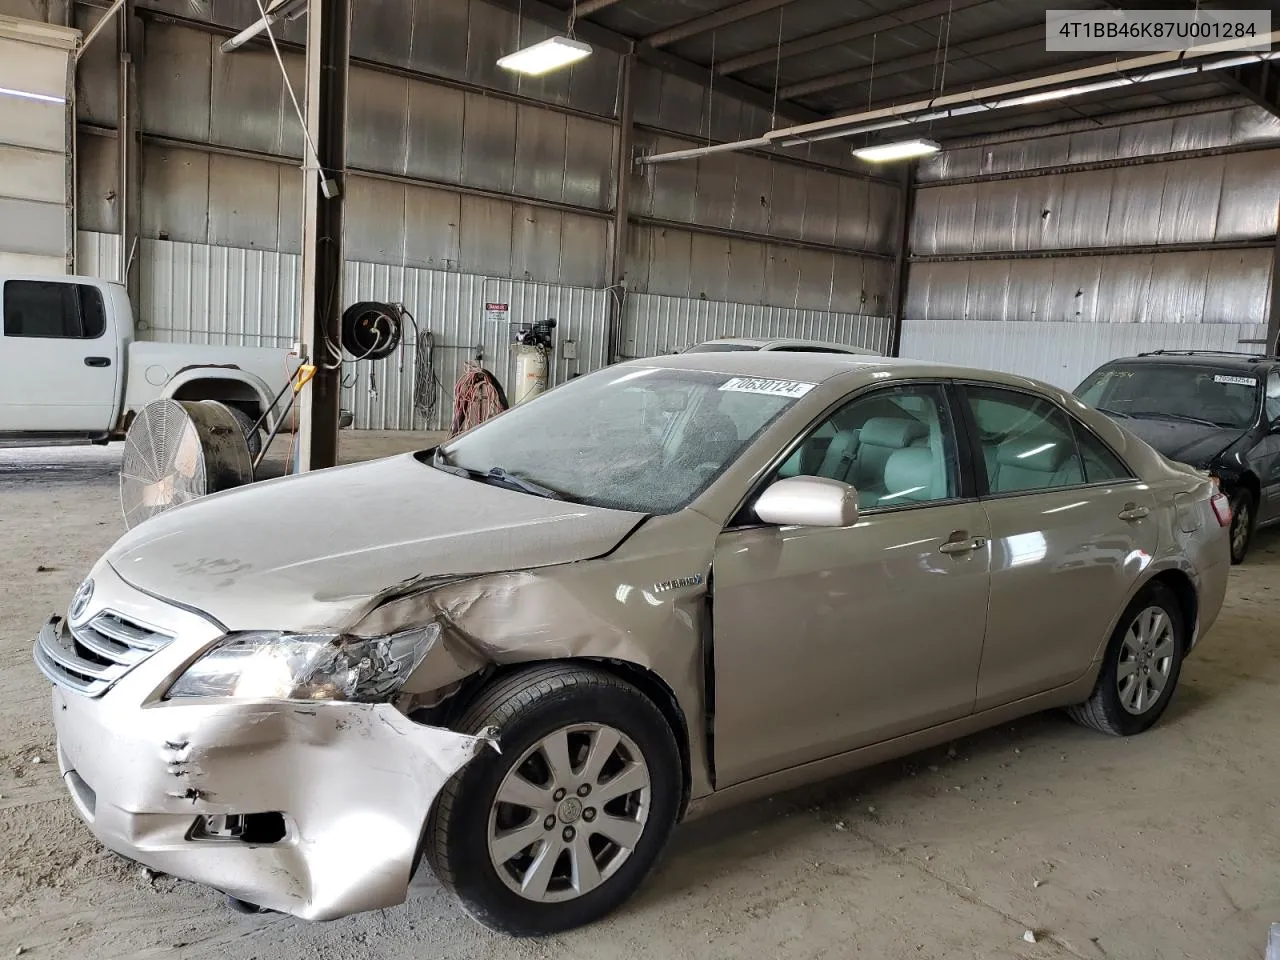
(334, 794)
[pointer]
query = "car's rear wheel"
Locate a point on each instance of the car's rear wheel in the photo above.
(1141, 667)
(565, 823)
(1243, 517)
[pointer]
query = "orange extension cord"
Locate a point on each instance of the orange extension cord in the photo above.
(476, 398)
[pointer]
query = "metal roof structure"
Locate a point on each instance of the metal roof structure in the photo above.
(824, 58)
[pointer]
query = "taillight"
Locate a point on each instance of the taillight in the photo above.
(1221, 509)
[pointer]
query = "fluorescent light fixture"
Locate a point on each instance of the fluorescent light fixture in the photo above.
(902, 150)
(24, 95)
(551, 54)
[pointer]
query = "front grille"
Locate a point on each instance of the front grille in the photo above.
(92, 657)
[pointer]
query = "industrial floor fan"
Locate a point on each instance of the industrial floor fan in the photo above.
(178, 450)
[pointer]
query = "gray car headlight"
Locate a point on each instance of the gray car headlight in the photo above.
(287, 666)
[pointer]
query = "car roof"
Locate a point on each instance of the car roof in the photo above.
(1220, 361)
(819, 367)
(763, 343)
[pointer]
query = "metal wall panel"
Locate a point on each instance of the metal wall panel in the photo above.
(377, 121)
(822, 207)
(1204, 131)
(1225, 286)
(97, 183)
(437, 25)
(540, 153)
(98, 254)
(432, 221)
(753, 186)
(489, 143)
(709, 267)
(535, 243)
(244, 202)
(175, 194)
(249, 101)
(385, 30)
(1056, 352)
(1250, 188)
(484, 236)
(584, 251)
(589, 163)
(375, 220)
(435, 132)
(174, 80)
(654, 325)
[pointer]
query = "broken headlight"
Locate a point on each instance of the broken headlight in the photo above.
(287, 666)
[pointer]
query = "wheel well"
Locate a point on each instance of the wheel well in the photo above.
(646, 681)
(1249, 482)
(1185, 591)
(234, 393)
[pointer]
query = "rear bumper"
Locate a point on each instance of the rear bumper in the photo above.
(353, 782)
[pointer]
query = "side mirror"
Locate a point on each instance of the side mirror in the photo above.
(808, 502)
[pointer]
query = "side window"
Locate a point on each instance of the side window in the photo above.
(1100, 464)
(896, 446)
(1027, 443)
(63, 311)
(1273, 397)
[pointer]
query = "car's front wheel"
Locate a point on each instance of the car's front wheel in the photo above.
(565, 823)
(1141, 666)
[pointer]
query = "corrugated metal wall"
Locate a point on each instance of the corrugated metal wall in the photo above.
(1159, 233)
(458, 166)
(654, 324)
(199, 293)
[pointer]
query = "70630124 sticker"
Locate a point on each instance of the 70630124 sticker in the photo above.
(770, 387)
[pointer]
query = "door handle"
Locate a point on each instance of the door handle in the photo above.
(97, 361)
(952, 547)
(1132, 511)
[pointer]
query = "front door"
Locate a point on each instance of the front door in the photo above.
(59, 365)
(826, 639)
(1071, 533)
(1266, 454)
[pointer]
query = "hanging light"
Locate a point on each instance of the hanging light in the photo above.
(551, 54)
(901, 150)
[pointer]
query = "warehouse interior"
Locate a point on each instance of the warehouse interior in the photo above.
(693, 178)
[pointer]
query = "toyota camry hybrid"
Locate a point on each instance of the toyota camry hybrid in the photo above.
(659, 589)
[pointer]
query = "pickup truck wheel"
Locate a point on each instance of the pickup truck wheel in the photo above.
(252, 437)
(565, 823)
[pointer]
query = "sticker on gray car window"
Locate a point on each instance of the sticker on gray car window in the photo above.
(773, 388)
(1239, 381)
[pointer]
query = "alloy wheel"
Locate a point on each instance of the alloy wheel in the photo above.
(1146, 660)
(1240, 520)
(569, 812)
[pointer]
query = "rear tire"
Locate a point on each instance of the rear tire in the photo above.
(473, 839)
(1244, 516)
(1141, 666)
(252, 437)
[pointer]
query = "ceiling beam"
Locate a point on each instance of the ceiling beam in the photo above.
(602, 36)
(1260, 82)
(917, 61)
(854, 31)
(588, 7)
(713, 21)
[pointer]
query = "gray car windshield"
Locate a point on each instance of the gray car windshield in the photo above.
(1214, 396)
(646, 440)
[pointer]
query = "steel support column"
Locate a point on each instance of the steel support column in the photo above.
(621, 213)
(1273, 317)
(328, 55)
(129, 166)
(902, 256)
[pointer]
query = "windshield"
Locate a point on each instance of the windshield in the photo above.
(1223, 397)
(647, 439)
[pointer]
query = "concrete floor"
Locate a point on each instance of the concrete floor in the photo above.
(1165, 845)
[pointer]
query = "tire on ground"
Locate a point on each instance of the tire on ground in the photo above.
(524, 707)
(1103, 711)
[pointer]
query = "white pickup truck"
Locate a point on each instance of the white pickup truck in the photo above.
(71, 372)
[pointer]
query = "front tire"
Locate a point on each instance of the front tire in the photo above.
(1243, 520)
(1141, 666)
(564, 824)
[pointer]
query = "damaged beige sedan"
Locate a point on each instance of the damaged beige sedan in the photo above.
(674, 584)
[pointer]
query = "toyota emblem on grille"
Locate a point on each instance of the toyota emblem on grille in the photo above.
(81, 600)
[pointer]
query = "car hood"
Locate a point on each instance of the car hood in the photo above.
(313, 552)
(1191, 443)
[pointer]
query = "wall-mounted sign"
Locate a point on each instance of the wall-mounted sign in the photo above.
(497, 312)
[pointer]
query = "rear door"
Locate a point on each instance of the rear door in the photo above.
(1071, 533)
(1266, 454)
(59, 363)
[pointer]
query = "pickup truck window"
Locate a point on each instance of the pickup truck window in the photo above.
(35, 308)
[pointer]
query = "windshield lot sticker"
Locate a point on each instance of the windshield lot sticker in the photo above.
(1239, 381)
(773, 388)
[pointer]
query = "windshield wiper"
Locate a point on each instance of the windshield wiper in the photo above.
(1114, 413)
(496, 475)
(1177, 416)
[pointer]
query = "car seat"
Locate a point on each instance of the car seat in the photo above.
(1033, 462)
(879, 438)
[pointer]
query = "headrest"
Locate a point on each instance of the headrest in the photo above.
(1045, 454)
(909, 474)
(891, 431)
